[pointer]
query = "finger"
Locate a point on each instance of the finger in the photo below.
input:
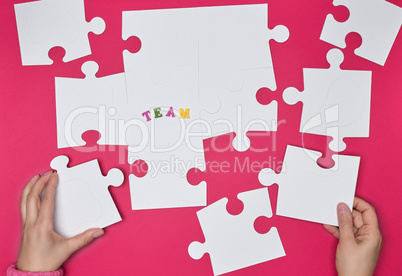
(345, 221)
(47, 202)
(25, 193)
(369, 215)
(332, 230)
(357, 219)
(84, 239)
(33, 199)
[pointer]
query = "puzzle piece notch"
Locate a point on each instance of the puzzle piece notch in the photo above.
(232, 241)
(43, 25)
(376, 21)
(309, 192)
(265, 96)
(343, 111)
(75, 213)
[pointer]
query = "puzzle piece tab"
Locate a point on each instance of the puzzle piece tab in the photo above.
(376, 21)
(336, 102)
(231, 241)
(82, 198)
(309, 192)
(45, 24)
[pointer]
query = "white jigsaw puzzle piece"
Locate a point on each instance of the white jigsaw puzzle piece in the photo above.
(92, 104)
(45, 24)
(165, 185)
(235, 39)
(376, 21)
(239, 112)
(309, 192)
(82, 199)
(235, 61)
(336, 102)
(164, 73)
(231, 241)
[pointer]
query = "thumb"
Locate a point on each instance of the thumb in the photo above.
(345, 221)
(84, 239)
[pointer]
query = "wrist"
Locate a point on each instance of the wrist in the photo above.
(13, 271)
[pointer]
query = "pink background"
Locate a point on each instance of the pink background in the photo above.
(155, 242)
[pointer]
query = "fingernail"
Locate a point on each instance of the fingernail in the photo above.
(53, 175)
(48, 172)
(97, 234)
(35, 177)
(342, 208)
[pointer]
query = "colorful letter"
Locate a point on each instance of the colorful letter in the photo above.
(185, 114)
(157, 112)
(146, 114)
(170, 112)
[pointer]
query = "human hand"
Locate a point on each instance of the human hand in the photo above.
(42, 249)
(359, 237)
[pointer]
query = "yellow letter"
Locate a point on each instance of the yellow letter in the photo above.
(185, 114)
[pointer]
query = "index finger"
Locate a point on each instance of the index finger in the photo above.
(369, 215)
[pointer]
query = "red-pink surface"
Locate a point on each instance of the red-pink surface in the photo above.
(155, 242)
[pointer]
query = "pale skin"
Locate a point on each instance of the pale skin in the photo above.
(359, 237)
(42, 249)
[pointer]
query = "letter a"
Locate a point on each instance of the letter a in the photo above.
(170, 112)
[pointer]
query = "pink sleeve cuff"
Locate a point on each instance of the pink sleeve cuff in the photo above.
(13, 271)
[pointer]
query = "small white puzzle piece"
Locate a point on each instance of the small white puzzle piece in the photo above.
(165, 185)
(231, 241)
(91, 104)
(376, 21)
(309, 192)
(82, 199)
(336, 102)
(45, 24)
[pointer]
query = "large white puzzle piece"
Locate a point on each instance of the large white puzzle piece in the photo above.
(231, 241)
(91, 104)
(165, 185)
(194, 55)
(45, 24)
(164, 73)
(376, 21)
(82, 198)
(309, 192)
(336, 102)
(235, 61)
